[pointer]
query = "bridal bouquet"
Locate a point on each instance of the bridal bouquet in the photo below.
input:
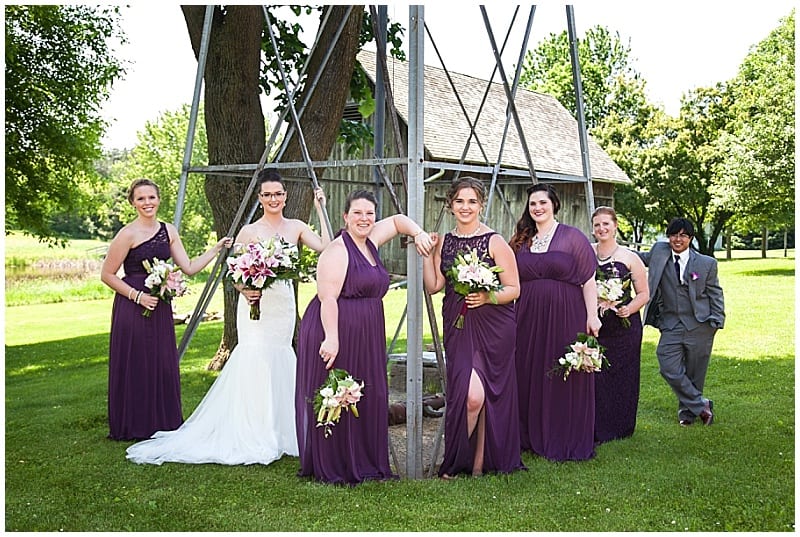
(339, 392)
(612, 291)
(165, 280)
(585, 355)
(470, 274)
(258, 265)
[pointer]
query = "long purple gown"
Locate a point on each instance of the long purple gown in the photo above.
(144, 389)
(556, 416)
(485, 344)
(616, 389)
(358, 449)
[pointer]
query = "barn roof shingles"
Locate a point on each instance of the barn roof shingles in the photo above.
(550, 130)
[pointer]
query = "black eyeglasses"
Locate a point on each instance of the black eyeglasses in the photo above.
(268, 195)
(680, 236)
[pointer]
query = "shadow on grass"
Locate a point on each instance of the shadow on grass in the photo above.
(62, 472)
(789, 272)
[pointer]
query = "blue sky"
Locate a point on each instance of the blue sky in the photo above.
(676, 46)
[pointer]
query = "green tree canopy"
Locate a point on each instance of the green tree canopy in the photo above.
(158, 155)
(616, 110)
(59, 68)
(759, 168)
(610, 83)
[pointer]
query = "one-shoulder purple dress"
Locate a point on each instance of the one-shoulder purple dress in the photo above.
(144, 388)
(486, 345)
(617, 387)
(358, 449)
(556, 416)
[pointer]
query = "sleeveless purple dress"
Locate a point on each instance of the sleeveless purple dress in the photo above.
(144, 389)
(485, 344)
(556, 416)
(616, 389)
(358, 449)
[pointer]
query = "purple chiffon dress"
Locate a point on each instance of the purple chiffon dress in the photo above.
(486, 345)
(556, 416)
(358, 449)
(616, 390)
(144, 389)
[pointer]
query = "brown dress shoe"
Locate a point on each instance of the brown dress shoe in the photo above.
(707, 415)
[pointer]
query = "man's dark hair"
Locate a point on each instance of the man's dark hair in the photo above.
(677, 225)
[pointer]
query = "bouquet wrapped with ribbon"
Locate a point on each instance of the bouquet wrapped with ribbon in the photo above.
(585, 355)
(165, 280)
(471, 274)
(340, 392)
(258, 265)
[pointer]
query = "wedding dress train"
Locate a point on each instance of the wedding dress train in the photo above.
(247, 416)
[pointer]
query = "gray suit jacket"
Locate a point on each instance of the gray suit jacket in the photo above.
(700, 276)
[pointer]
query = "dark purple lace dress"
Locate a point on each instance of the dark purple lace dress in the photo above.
(485, 345)
(144, 390)
(556, 416)
(616, 391)
(358, 449)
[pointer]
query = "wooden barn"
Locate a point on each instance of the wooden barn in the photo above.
(550, 134)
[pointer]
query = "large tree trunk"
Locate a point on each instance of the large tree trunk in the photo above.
(235, 121)
(323, 114)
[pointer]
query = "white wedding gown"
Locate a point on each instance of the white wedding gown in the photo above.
(247, 416)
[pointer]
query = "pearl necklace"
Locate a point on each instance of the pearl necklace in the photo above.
(540, 244)
(604, 259)
(466, 235)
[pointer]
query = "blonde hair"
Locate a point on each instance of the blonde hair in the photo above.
(141, 182)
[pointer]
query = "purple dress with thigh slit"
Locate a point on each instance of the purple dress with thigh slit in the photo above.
(485, 345)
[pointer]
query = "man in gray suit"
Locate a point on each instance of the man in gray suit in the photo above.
(687, 306)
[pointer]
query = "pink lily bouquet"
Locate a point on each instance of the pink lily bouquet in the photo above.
(340, 392)
(585, 355)
(165, 280)
(259, 264)
(612, 291)
(470, 274)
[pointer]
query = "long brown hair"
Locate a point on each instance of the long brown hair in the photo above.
(526, 227)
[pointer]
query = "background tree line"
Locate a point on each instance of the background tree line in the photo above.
(726, 161)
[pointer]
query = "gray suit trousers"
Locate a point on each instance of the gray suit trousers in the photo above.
(683, 357)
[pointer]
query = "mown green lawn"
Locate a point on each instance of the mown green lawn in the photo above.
(63, 474)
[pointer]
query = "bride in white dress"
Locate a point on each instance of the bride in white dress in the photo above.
(247, 416)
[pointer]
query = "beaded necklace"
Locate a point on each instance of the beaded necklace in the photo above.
(540, 244)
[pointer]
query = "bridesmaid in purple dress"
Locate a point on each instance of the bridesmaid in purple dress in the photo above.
(343, 327)
(558, 299)
(616, 390)
(481, 418)
(144, 391)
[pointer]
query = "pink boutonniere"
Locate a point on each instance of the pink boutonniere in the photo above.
(694, 276)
